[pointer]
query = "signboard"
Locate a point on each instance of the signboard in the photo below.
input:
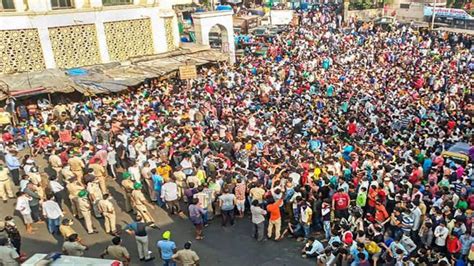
(281, 17)
(187, 72)
(446, 12)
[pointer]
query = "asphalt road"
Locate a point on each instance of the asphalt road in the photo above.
(221, 245)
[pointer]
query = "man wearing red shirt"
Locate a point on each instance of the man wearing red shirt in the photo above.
(275, 218)
(453, 245)
(340, 204)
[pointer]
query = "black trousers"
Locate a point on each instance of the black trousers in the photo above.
(35, 213)
(15, 176)
(227, 216)
(59, 197)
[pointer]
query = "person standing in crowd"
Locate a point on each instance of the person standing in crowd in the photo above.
(77, 166)
(258, 220)
(140, 203)
(169, 194)
(53, 213)
(127, 185)
(227, 202)
(117, 251)
(34, 201)
(139, 230)
(13, 233)
(74, 187)
(340, 204)
(5, 184)
(273, 208)
(23, 206)
(186, 256)
(85, 210)
(8, 255)
(167, 249)
(13, 165)
(57, 189)
(196, 214)
(107, 209)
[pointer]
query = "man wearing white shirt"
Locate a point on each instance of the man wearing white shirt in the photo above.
(23, 206)
(53, 213)
(440, 234)
(57, 189)
(169, 194)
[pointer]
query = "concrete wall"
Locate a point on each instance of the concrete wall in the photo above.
(414, 12)
(364, 14)
(182, 2)
(165, 36)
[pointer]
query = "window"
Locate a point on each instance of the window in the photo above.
(7, 4)
(116, 2)
(58, 4)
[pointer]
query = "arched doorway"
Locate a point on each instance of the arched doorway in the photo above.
(218, 38)
(215, 29)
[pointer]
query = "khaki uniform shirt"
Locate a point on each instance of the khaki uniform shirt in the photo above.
(55, 161)
(66, 231)
(74, 248)
(117, 252)
(127, 184)
(76, 164)
(99, 170)
(4, 174)
(186, 256)
(138, 198)
(84, 205)
(106, 206)
(74, 188)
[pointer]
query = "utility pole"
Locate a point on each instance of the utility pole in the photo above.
(433, 16)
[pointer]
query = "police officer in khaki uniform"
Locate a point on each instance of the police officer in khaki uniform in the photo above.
(77, 167)
(85, 209)
(55, 162)
(127, 185)
(5, 184)
(107, 209)
(117, 252)
(95, 193)
(139, 203)
(99, 173)
(67, 174)
(74, 187)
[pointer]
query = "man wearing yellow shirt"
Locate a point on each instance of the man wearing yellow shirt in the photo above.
(164, 170)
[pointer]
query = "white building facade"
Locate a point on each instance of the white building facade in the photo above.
(43, 34)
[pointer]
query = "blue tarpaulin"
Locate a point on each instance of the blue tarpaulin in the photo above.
(76, 72)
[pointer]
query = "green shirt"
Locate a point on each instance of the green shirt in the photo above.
(361, 199)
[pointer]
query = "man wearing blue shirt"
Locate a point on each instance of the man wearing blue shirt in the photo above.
(355, 250)
(13, 165)
(313, 248)
(167, 249)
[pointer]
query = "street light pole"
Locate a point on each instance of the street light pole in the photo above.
(433, 16)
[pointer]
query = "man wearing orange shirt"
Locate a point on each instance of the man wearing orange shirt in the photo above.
(381, 213)
(275, 218)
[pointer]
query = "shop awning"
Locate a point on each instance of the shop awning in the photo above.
(27, 84)
(104, 78)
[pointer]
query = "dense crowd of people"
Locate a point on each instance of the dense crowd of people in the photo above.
(334, 137)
